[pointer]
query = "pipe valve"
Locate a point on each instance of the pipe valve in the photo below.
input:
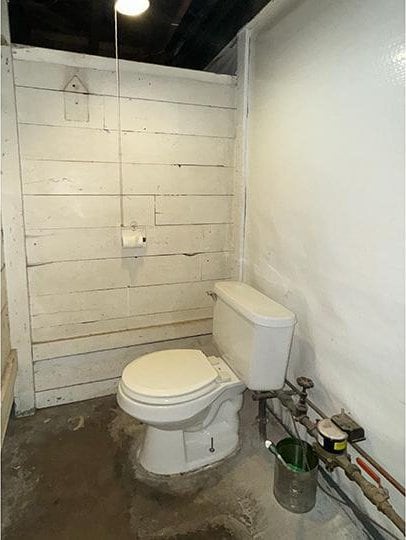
(305, 384)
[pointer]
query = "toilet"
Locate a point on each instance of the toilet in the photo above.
(188, 401)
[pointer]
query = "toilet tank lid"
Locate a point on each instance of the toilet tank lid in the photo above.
(253, 305)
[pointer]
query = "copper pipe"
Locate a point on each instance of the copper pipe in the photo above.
(397, 485)
(376, 495)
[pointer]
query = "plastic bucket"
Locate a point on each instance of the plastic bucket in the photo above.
(295, 487)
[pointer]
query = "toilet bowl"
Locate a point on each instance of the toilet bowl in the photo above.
(189, 403)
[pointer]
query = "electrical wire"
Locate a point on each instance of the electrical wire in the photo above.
(119, 131)
(354, 508)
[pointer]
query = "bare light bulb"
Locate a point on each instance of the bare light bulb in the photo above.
(131, 7)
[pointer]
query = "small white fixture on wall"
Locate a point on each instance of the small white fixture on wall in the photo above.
(76, 100)
(133, 237)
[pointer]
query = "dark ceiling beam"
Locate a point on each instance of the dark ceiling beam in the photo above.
(185, 4)
(95, 24)
(56, 40)
(41, 14)
(172, 26)
(205, 40)
(220, 26)
(196, 17)
(184, 33)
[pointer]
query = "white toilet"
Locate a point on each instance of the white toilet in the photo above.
(190, 402)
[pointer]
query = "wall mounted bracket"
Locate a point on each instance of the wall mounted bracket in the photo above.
(76, 98)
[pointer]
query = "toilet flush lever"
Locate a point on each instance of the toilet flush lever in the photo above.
(212, 449)
(212, 295)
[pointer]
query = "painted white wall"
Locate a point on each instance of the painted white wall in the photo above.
(325, 203)
(94, 306)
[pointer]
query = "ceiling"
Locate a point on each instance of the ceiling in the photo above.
(184, 33)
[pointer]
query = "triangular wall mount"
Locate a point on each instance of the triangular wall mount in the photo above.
(76, 100)
(75, 85)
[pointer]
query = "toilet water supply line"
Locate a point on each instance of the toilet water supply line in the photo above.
(376, 495)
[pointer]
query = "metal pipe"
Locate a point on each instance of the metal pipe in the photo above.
(372, 494)
(376, 495)
(397, 485)
(346, 500)
(262, 418)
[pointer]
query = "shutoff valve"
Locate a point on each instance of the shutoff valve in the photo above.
(305, 384)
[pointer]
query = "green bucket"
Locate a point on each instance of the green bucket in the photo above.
(295, 486)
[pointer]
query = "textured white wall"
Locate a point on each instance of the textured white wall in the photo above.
(325, 206)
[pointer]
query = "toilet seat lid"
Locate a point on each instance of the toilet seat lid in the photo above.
(168, 374)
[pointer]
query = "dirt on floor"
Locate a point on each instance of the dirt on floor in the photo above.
(71, 472)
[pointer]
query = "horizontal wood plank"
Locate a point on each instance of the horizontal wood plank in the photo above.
(95, 328)
(103, 63)
(193, 209)
(102, 365)
(133, 84)
(136, 114)
(142, 179)
(164, 117)
(216, 266)
(62, 211)
(47, 107)
(67, 143)
(177, 149)
(57, 309)
(79, 392)
(81, 144)
(115, 340)
(82, 178)
(69, 178)
(52, 245)
(73, 276)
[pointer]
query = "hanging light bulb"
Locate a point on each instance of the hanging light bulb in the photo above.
(131, 7)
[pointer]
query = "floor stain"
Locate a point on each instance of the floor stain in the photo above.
(71, 473)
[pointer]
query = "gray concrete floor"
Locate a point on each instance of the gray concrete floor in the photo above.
(70, 472)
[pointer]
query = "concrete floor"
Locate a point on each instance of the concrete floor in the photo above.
(69, 472)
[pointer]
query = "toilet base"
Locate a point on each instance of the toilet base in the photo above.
(177, 451)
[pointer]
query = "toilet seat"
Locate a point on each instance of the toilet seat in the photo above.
(169, 377)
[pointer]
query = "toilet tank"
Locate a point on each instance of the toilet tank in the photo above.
(253, 334)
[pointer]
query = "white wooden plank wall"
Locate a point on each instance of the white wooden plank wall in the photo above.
(95, 306)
